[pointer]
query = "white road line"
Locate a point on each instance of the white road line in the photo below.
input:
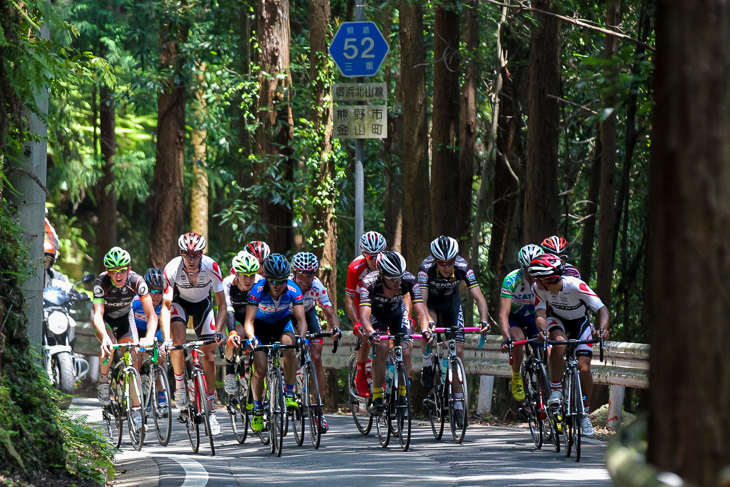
(195, 474)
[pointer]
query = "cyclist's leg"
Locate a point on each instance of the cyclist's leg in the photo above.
(428, 357)
(229, 380)
(204, 324)
(178, 323)
(516, 333)
(289, 357)
(315, 347)
(405, 327)
(584, 353)
(381, 354)
(556, 332)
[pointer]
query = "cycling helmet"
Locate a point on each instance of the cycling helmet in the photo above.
(191, 242)
(245, 263)
(444, 248)
(391, 264)
(276, 267)
(554, 245)
(117, 257)
(527, 254)
(154, 278)
(304, 261)
(372, 243)
(258, 249)
(546, 265)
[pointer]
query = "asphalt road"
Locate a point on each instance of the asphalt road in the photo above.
(489, 456)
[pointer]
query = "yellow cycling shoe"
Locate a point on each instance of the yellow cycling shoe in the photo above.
(291, 402)
(518, 389)
(257, 422)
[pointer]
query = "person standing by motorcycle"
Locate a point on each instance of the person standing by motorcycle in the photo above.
(114, 291)
(52, 277)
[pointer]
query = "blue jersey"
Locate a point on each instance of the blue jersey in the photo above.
(269, 310)
(139, 318)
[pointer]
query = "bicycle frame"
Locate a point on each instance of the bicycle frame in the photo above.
(123, 396)
(395, 419)
(161, 414)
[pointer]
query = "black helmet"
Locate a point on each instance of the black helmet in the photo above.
(276, 267)
(154, 278)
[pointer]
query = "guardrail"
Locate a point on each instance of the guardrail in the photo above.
(626, 364)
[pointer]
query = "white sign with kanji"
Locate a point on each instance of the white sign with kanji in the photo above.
(361, 121)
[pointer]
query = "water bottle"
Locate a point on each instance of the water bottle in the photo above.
(369, 373)
(300, 379)
(444, 369)
(389, 375)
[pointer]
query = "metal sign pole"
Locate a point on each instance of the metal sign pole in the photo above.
(359, 150)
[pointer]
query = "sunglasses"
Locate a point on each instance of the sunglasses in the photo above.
(191, 255)
(305, 273)
(370, 256)
(155, 291)
(241, 274)
(393, 279)
(117, 271)
(445, 262)
(549, 280)
(277, 282)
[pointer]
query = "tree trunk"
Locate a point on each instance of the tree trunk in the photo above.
(167, 187)
(199, 189)
(416, 215)
(106, 195)
(689, 243)
(445, 122)
(607, 231)
(589, 225)
(275, 170)
(541, 189)
(324, 232)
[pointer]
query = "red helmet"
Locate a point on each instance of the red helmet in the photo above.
(191, 242)
(554, 245)
(258, 249)
(546, 265)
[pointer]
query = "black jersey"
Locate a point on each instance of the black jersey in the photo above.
(117, 300)
(442, 288)
(371, 293)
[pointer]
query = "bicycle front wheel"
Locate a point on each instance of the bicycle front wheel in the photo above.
(203, 405)
(364, 424)
(112, 414)
(134, 389)
(403, 407)
(458, 408)
(299, 414)
(577, 406)
(435, 401)
(531, 401)
(160, 402)
(277, 412)
(313, 402)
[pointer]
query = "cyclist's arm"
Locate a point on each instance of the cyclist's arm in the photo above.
(331, 317)
(365, 312)
(541, 319)
(505, 306)
(251, 310)
(476, 293)
(99, 319)
(422, 315)
(350, 308)
(301, 319)
(149, 311)
(222, 315)
(603, 323)
(165, 312)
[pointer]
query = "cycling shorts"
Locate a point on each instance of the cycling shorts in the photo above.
(526, 323)
(313, 325)
(449, 314)
(394, 323)
(269, 333)
(120, 327)
(579, 329)
(201, 312)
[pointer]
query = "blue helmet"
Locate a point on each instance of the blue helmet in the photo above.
(276, 267)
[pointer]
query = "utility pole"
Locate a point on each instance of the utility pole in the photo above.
(359, 151)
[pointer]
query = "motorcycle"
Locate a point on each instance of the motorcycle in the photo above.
(63, 367)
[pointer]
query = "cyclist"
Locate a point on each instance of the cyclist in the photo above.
(562, 303)
(517, 312)
(260, 250)
(52, 277)
(237, 287)
(558, 246)
(371, 244)
(189, 280)
(268, 320)
(383, 296)
(114, 291)
(439, 278)
(304, 265)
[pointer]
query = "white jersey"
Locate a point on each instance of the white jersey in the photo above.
(209, 278)
(316, 294)
(571, 302)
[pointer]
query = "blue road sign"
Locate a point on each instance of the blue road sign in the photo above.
(358, 48)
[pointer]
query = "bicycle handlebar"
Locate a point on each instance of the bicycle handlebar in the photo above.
(194, 344)
(574, 343)
(323, 334)
(466, 329)
(274, 346)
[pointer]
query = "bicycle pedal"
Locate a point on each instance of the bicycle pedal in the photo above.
(182, 418)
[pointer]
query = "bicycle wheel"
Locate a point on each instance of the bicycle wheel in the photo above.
(277, 412)
(568, 413)
(160, 402)
(403, 407)
(363, 424)
(112, 413)
(203, 403)
(382, 420)
(577, 407)
(134, 388)
(435, 401)
(313, 405)
(457, 375)
(531, 401)
(190, 416)
(299, 414)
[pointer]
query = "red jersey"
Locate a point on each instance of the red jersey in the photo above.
(356, 271)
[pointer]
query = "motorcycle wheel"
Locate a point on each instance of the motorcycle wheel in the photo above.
(63, 367)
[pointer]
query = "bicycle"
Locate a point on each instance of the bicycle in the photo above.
(537, 388)
(448, 370)
(157, 396)
(571, 406)
(125, 385)
(363, 425)
(395, 418)
(308, 396)
(274, 404)
(198, 407)
(240, 404)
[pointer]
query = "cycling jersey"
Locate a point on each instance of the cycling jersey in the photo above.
(571, 302)
(356, 272)
(117, 300)
(516, 287)
(440, 288)
(571, 270)
(372, 294)
(316, 294)
(271, 310)
(236, 300)
(177, 282)
(138, 318)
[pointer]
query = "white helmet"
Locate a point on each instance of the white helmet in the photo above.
(444, 248)
(391, 264)
(372, 243)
